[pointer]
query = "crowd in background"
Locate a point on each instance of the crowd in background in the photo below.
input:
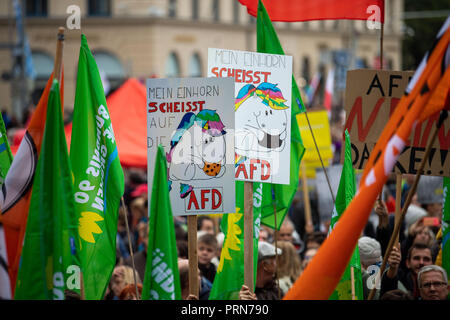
(412, 267)
(411, 273)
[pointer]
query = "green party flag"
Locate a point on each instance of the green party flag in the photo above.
(6, 156)
(98, 177)
(161, 279)
(49, 262)
(345, 194)
(445, 245)
(280, 195)
(230, 271)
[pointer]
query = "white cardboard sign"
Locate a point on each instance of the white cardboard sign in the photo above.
(193, 119)
(263, 84)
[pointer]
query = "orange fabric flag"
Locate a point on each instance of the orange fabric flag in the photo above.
(426, 94)
(16, 193)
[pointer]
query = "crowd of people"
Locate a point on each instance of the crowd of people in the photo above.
(412, 270)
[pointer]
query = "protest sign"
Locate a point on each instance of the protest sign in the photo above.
(193, 119)
(263, 85)
(370, 98)
(320, 127)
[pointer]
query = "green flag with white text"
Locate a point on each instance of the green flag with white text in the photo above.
(98, 177)
(49, 262)
(161, 279)
(230, 272)
(345, 194)
(277, 194)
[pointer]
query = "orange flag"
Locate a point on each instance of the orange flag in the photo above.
(16, 193)
(425, 95)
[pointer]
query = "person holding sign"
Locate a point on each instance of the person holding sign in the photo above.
(266, 287)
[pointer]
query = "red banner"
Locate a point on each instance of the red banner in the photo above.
(306, 10)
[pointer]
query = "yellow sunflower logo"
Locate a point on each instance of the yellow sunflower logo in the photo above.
(88, 226)
(232, 241)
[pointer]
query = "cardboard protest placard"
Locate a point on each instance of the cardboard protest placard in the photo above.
(193, 119)
(263, 84)
(370, 98)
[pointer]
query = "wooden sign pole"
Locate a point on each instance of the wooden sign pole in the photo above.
(248, 235)
(307, 204)
(276, 245)
(352, 278)
(193, 257)
(130, 247)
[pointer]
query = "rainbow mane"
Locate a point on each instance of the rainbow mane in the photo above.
(270, 95)
(207, 119)
(210, 122)
(243, 94)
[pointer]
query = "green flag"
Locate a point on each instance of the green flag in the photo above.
(161, 279)
(6, 156)
(445, 245)
(49, 262)
(230, 272)
(280, 195)
(345, 194)
(98, 177)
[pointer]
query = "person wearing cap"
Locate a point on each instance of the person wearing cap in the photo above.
(266, 287)
(371, 259)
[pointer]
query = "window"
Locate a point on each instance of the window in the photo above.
(194, 9)
(43, 67)
(110, 69)
(172, 12)
(36, 8)
(172, 66)
(236, 11)
(195, 67)
(215, 10)
(100, 8)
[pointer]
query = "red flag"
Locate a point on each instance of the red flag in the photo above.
(425, 95)
(16, 192)
(305, 10)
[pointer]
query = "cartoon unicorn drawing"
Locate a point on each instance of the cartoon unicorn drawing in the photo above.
(197, 150)
(261, 117)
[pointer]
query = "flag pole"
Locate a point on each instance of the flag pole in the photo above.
(381, 46)
(59, 54)
(130, 247)
(57, 68)
(352, 279)
(318, 152)
(275, 242)
(248, 235)
(412, 191)
(192, 255)
(398, 200)
(308, 216)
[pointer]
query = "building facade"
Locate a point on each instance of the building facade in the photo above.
(170, 38)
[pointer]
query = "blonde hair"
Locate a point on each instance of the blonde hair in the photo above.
(288, 263)
(128, 276)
